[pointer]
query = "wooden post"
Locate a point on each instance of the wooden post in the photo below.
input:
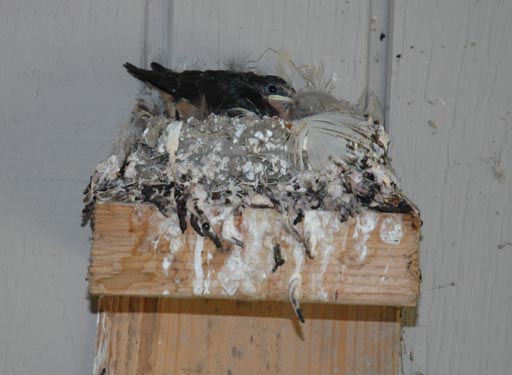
(247, 326)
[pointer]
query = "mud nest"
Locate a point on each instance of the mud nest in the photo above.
(242, 161)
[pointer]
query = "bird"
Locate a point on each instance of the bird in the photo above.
(218, 91)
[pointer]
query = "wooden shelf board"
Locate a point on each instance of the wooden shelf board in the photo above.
(368, 260)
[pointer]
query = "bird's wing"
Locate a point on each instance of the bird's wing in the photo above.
(214, 90)
(224, 91)
(250, 98)
(180, 85)
(334, 136)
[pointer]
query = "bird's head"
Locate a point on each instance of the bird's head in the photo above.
(279, 94)
(276, 88)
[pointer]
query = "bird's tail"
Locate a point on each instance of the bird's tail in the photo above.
(159, 76)
(156, 67)
(142, 74)
(333, 136)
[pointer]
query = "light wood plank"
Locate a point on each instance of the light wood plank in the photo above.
(166, 336)
(136, 251)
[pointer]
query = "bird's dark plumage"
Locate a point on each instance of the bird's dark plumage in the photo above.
(219, 90)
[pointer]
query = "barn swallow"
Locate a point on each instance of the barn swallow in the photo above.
(218, 91)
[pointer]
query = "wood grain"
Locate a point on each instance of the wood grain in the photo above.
(138, 252)
(166, 336)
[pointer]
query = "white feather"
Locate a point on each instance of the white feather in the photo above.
(334, 136)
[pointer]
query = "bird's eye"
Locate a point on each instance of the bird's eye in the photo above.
(272, 89)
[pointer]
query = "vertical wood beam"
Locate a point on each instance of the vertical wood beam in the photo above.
(166, 336)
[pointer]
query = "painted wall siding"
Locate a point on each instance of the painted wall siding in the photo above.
(209, 32)
(62, 95)
(450, 112)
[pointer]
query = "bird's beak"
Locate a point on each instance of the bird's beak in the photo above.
(280, 98)
(283, 105)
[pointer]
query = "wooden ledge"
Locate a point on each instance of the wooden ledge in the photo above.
(369, 260)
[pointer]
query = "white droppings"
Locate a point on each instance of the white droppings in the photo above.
(133, 160)
(239, 129)
(330, 228)
(248, 169)
(229, 230)
(385, 180)
(391, 231)
(365, 223)
(247, 269)
(138, 215)
(232, 273)
(169, 230)
(175, 239)
(318, 226)
(259, 255)
(198, 266)
(298, 256)
(166, 263)
(260, 200)
(173, 139)
(342, 265)
(312, 228)
(259, 135)
(383, 277)
(259, 169)
(335, 190)
(166, 292)
(295, 282)
(207, 282)
(109, 169)
(199, 192)
(104, 343)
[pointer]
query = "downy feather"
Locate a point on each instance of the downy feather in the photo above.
(333, 136)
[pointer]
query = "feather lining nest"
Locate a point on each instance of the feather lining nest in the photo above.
(338, 137)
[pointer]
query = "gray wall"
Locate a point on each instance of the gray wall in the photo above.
(62, 96)
(63, 93)
(458, 75)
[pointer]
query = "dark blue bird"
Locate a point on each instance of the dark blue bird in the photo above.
(219, 91)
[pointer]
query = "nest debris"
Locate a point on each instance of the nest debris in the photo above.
(244, 161)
